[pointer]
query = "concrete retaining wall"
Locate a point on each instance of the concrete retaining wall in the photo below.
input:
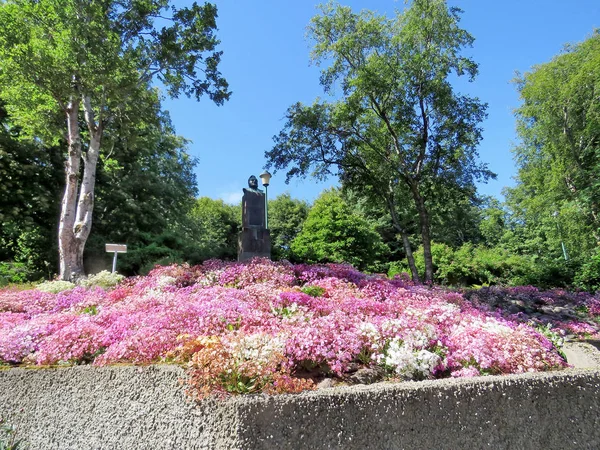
(145, 408)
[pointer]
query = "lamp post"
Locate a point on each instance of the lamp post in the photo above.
(562, 244)
(265, 177)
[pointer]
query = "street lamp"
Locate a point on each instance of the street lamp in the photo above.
(265, 177)
(562, 244)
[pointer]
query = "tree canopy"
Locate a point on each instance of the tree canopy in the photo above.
(557, 196)
(90, 63)
(286, 217)
(397, 127)
(214, 228)
(333, 232)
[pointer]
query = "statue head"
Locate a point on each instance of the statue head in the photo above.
(253, 182)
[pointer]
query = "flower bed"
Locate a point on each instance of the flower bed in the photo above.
(272, 327)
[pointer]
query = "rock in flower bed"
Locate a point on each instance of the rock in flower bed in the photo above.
(570, 314)
(270, 327)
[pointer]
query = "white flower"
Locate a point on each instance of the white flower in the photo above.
(392, 325)
(369, 331)
(426, 361)
(408, 362)
(165, 280)
(257, 347)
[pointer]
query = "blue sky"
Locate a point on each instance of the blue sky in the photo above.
(266, 62)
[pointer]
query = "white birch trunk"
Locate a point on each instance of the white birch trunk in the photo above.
(67, 245)
(85, 204)
(76, 211)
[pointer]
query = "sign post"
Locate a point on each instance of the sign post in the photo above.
(116, 248)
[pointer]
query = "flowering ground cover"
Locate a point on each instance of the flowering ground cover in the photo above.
(275, 327)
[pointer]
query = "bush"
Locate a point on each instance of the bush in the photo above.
(334, 233)
(13, 272)
(588, 277)
(55, 287)
(471, 265)
(104, 279)
(549, 273)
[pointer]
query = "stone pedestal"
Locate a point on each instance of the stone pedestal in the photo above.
(254, 243)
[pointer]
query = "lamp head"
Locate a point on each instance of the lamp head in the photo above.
(265, 177)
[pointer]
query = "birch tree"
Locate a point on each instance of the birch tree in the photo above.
(68, 68)
(396, 127)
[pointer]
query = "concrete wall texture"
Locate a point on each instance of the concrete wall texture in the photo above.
(145, 408)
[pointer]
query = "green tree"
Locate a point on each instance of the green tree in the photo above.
(588, 277)
(333, 232)
(363, 203)
(29, 192)
(493, 224)
(559, 125)
(286, 217)
(145, 188)
(87, 61)
(397, 127)
(214, 229)
(557, 196)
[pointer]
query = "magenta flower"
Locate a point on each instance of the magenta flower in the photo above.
(325, 320)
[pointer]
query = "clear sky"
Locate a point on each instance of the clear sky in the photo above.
(266, 62)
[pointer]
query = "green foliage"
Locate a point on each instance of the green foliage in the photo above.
(333, 232)
(31, 180)
(51, 50)
(91, 310)
(477, 265)
(492, 225)
(286, 217)
(559, 124)
(144, 192)
(214, 227)
(455, 215)
(152, 249)
(95, 62)
(398, 131)
(13, 272)
(588, 278)
(8, 437)
(557, 198)
(313, 291)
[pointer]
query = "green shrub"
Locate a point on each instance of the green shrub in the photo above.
(313, 291)
(13, 272)
(588, 277)
(471, 265)
(334, 232)
(397, 268)
(549, 273)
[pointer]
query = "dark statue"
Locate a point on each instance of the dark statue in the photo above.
(252, 185)
(255, 239)
(253, 206)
